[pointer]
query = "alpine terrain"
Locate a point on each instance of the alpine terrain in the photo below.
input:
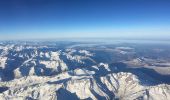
(84, 70)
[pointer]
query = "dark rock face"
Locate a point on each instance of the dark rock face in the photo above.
(63, 94)
(3, 89)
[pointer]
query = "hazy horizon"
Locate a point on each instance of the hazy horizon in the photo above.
(48, 19)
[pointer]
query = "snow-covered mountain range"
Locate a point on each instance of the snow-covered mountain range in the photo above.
(73, 71)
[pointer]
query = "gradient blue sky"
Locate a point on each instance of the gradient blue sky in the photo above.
(31, 19)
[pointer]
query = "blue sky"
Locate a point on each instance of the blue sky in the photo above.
(31, 19)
